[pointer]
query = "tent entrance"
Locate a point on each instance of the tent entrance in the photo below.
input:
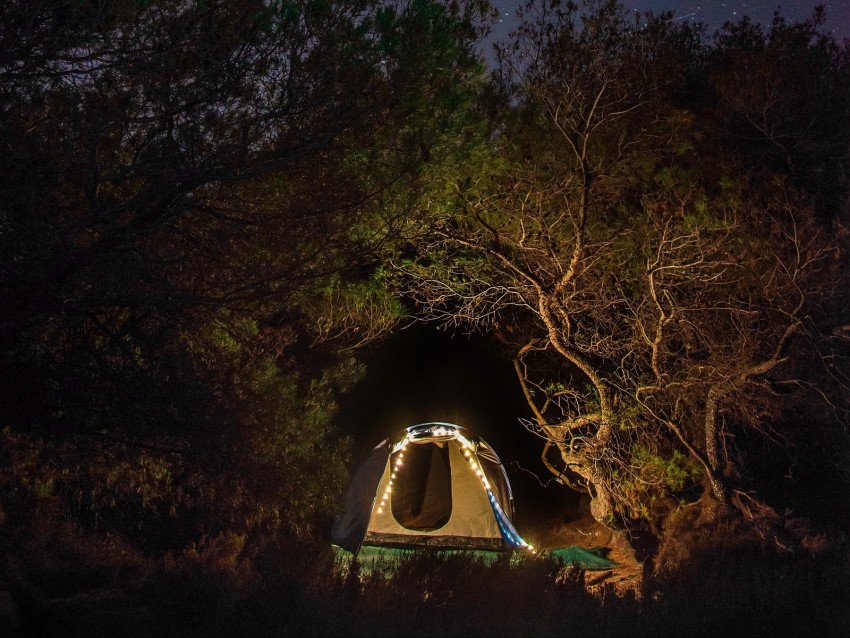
(422, 494)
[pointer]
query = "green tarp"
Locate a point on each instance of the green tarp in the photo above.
(588, 559)
(371, 558)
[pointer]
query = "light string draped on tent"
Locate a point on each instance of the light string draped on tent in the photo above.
(399, 447)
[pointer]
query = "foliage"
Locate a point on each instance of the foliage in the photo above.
(208, 207)
(747, 592)
(280, 472)
(661, 280)
(195, 195)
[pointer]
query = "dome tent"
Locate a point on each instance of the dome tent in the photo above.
(431, 485)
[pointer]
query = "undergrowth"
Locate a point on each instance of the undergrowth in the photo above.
(66, 583)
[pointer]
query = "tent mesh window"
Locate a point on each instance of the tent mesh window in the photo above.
(422, 491)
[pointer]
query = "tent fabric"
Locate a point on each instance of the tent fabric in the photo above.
(432, 485)
(433, 541)
(349, 529)
(495, 472)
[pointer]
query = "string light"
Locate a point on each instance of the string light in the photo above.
(397, 448)
(505, 526)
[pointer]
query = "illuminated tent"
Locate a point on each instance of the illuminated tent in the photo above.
(431, 485)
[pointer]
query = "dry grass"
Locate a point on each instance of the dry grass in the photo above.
(61, 582)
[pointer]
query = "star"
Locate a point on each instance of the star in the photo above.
(713, 14)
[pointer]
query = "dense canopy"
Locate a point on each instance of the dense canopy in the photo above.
(211, 209)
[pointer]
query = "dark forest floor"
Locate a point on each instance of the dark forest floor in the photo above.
(55, 581)
(551, 528)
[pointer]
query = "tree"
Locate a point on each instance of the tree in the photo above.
(183, 183)
(784, 91)
(657, 292)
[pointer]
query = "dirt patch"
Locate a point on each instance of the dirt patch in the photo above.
(550, 529)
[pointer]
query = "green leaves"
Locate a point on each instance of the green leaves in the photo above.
(191, 228)
(627, 212)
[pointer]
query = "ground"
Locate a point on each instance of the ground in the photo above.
(566, 522)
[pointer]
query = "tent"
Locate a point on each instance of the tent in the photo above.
(431, 485)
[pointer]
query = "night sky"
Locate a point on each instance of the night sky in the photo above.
(713, 12)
